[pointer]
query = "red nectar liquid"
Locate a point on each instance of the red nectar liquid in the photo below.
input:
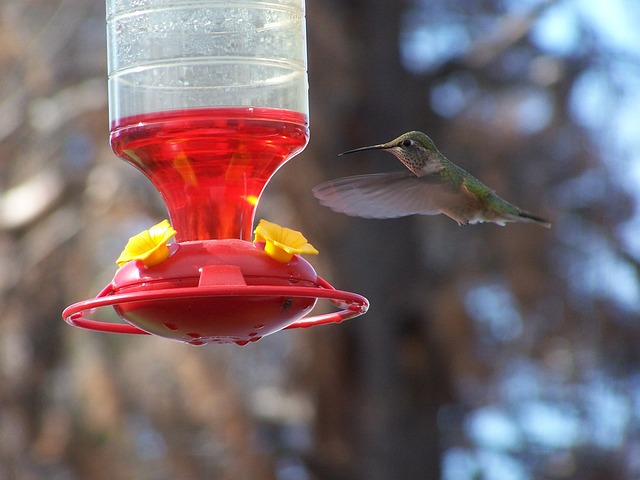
(210, 164)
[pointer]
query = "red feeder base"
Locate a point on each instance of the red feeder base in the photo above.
(215, 291)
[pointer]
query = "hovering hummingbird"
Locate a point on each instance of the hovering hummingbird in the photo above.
(432, 185)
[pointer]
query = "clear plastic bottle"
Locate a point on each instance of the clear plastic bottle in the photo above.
(208, 98)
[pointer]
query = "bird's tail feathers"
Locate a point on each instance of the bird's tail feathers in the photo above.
(528, 217)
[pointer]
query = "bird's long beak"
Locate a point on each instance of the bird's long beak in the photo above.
(381, 146)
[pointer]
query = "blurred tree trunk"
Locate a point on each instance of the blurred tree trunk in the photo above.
(397, 397)
(392, 383)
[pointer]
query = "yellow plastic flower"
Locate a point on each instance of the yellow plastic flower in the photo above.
(149, 246)
(282, 243)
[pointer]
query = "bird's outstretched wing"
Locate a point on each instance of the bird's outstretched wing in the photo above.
(384, 195)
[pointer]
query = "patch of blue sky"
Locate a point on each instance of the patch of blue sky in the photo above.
(534, 111)
(624, 162)
(492, 428)
(629, 236)
(550, 425)
(501, 466)
(614, 21)
(463, 464)
(557, 30)
(493, 306)
(521, 6)
(607, 103)
(592, 269)
(612, 277)
(626, 125)
(593, 101)
(581, 191)
(522, 379)
(426, 46)
(459, 464)
(609, 413)
(452, 96)
(604, 100)
(633, 386)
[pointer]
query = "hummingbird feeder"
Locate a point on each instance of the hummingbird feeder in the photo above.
(208, 99)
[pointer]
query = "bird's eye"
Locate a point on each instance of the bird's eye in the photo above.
(407, 143)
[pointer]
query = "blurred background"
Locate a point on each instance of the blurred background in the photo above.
(488, 353)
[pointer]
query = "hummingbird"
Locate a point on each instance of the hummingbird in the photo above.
(431, 185)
